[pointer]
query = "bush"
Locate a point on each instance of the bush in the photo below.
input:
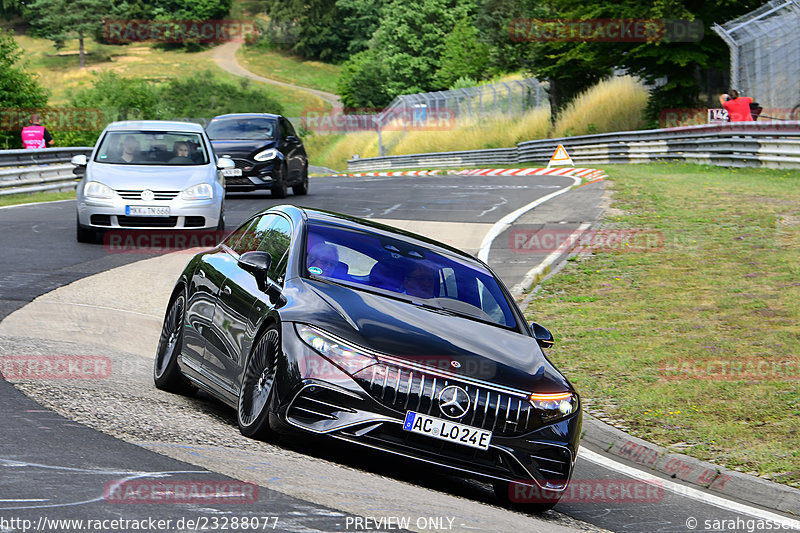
(199, 96)
(615, 104)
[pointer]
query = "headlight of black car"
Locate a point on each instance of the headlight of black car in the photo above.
(347, 356)
(553, 406)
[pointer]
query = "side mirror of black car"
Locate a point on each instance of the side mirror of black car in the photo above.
(291, 139)
(542, 335)
(257, 263)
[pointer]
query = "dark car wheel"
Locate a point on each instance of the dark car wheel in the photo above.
(302, 188)
(85, 235)
(256, 392)
(280, 190)
(166, 374)
(504, 489)
(221, 223)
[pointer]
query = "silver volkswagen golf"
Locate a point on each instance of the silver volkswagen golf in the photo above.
(151, 175)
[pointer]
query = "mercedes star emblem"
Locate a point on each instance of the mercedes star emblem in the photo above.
(454, 402)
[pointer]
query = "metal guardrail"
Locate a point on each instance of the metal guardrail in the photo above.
(738, 144)
(29, 171)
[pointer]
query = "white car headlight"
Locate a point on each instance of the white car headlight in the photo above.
(202, 191)
(266, 155)
(97, 190)
(348, 357)
(552, 406)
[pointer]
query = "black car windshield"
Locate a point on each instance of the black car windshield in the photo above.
(245, 129)
(413, 272)
(152, 148)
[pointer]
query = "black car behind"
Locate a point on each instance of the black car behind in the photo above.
(313, 322)
(266, 150)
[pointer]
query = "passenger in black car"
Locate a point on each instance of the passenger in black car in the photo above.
(322, 259)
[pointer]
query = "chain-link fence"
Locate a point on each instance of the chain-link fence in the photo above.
(509, 98)
(765, 53)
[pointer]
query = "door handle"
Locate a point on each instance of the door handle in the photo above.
(202, 273)
(226, 289)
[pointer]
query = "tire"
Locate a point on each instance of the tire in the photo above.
(280, 190)
(85, 235)
(302, 188)
(502, 491)
(221, 223)
(255, 395)
(166, 374)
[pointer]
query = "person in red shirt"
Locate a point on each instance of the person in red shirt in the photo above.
(36, 136)
(738, 107)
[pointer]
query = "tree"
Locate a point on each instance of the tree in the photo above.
(362, 82)
(573, 66)
(465, 55)
(60, 20)
(18, 89)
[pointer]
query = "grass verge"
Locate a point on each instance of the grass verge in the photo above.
(694, 344)
(278, 65)
(14, 199)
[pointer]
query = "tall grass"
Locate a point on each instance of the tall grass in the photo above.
(616, 104)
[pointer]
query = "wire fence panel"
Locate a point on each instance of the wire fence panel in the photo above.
(510, 98)
(765, 53)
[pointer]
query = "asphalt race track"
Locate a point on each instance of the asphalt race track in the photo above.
(53, 467)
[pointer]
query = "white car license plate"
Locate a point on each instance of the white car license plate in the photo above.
(146, 211)
(228, 172)
(439, 428)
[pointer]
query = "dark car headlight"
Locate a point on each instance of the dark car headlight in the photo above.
(347, 356)
(552, 406)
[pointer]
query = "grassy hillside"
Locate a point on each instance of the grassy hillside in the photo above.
(59, 72)
(281, 66)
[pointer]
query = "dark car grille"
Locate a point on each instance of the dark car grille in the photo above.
(136, 194)
(554, 462)
(243, 164)
(237, 180)
(404, 390)
(194, 222)
(147, 222)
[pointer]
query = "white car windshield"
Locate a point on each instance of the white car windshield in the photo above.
(152, 148)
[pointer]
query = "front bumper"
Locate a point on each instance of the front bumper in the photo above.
(183, 214)
(254, 175)
(320, 398)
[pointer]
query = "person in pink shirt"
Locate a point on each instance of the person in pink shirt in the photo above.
(36, 136)
(738, 107)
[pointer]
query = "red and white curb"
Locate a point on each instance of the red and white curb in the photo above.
(587, 173)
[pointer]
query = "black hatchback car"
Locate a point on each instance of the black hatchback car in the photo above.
(320, 323)
(265, 149)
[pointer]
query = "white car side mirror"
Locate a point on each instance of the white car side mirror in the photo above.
(79, 160)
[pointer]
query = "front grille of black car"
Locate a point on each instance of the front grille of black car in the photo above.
(243, 164)
(405, 389)
(136, 194)
(100, 220)
(237, 180)
(147, 222)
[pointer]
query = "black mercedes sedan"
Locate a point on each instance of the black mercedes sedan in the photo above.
(265, 149)
(320, 323)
